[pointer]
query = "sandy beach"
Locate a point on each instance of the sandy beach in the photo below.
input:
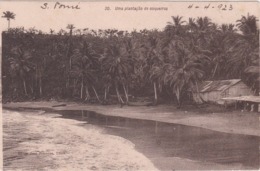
(235, 122)
(38, 140)
(33, 141)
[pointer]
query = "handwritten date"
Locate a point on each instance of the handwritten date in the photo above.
(223, 7)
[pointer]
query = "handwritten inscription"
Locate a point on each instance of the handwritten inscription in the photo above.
(59, 5)
(63, 5)
(224, 7)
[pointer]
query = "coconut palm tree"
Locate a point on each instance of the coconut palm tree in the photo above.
(118, 67)
(157, 76)
(21, 65)
(69, 44)
(84, 63)
(242, 51)
(32, 30)
(151, 51)
(187, 68)
(204, 23)
(52, 31)
(61, 32)
(192, 26)
(228, 28)
(70, 27)
(9, 15)
(175, 27)
(205, 31)
(78, 32)
(248, 24)
(221, 47)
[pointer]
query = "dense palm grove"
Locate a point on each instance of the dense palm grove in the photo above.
(114, 66)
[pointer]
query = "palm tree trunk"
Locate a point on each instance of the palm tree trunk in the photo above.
(96, 94)
(40, 84)
(126, 94)
(44, 62)
(105, 96)
(87, 94)
(120, 100)
(8, 24)
(70, 62)
(215, 70)
(24, 86)
(82, 86)
(68, 53)
(74, 86)
(178, 96)
(106, 92)
(31, 87)
(36, 76)
(36, 81)
(127, 89)
(155, 94)
(68, 82)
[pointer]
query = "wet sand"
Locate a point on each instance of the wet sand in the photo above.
(235, 122)
(179, 147)
(33, 141)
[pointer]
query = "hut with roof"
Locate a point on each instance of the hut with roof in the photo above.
(215, 91)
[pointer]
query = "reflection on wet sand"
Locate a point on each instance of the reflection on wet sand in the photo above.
(161, 141)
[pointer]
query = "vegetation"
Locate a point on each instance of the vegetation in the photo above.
(8, 15)
(90, 65)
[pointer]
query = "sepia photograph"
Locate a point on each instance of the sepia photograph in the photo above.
(122, 85)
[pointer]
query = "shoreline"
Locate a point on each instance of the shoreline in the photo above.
(234, 122)
(33, 141)
(158, 161)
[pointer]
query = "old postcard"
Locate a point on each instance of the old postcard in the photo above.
(122, 85)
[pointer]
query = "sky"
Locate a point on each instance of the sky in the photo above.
(94, 16)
